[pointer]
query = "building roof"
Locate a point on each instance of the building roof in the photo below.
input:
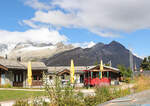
(57, 69)
(78, 69)
(10, 64)
(35, 65)
(105, 68)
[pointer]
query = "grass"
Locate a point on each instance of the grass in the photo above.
(67, 96)
(6, 95)
(142, 83)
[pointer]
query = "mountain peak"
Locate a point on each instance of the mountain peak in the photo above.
(116, 44)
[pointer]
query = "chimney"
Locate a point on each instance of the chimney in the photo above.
(19, 59)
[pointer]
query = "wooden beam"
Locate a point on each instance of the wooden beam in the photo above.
(64, 71)
(2, 67)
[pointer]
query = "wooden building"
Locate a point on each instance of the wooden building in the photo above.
(15, 73)
(92, 76)
(64, 74)
(108, 71)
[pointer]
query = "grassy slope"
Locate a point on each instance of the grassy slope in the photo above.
(13, 95)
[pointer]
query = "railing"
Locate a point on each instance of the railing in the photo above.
(37, 82)
(18, 84)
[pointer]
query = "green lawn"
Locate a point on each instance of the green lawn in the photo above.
(13, 94)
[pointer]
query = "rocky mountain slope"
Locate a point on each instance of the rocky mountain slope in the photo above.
(32, 51)
(114, 52)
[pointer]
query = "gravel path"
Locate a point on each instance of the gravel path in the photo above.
(131, 100)
(21, 89)
(7, 103)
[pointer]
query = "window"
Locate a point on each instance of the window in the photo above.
(34, 77)
(50, 77)
(62, 77)
(81, 78)
(16, 77)
(40, 77)
(20, 78)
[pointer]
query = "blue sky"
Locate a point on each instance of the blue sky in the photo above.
(95, 21)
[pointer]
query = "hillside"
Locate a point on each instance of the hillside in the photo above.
(113, 51)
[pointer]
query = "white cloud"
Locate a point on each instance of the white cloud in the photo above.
(84, 44)
(37, 5)
(29, 23)
(106, 18)
(42, 35)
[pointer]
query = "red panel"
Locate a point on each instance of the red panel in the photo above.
(97, 81)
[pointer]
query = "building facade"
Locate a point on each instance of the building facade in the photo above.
(15, 73)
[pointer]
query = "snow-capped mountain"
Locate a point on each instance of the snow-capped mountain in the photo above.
(3, 48)
(32, 50)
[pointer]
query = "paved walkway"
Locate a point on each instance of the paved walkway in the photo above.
(138, 99)
(21, 89)
(7, 103)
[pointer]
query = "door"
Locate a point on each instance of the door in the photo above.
(18, 79)
(2, 79)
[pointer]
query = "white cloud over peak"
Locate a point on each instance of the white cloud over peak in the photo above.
(84, 44)
(106, 18)
(42, 35)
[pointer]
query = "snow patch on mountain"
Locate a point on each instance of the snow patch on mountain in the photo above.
(32, 48)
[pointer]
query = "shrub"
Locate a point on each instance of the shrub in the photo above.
(90, 101)
(126, 73)
(66, 96)
(127, 79)
(63, 95)
(102, 94)
(6, 86)
(21, 102)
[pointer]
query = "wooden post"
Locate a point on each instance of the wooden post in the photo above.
(107, 74)
(100, 75)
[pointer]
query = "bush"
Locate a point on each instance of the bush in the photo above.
(103, 94)
(90, 101)
(32, 102)
(63, 95)
(126, 73)
(21, 103)
(6, 86)
(127, 79)
(66, 96)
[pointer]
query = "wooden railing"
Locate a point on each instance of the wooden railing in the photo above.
(37, 83)
(18, 84)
